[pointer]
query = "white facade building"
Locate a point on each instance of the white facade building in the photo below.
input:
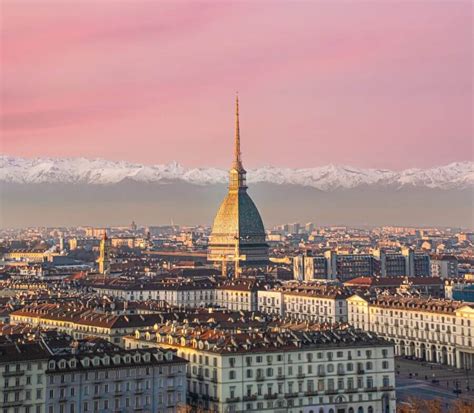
(439, 331)
(305, 302)
(334, 371)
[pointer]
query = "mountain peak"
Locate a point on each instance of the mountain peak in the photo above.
(456, 175)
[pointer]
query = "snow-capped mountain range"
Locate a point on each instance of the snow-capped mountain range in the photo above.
(457, 175)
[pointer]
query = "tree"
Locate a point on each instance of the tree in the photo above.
(414, 405)
(461, 406)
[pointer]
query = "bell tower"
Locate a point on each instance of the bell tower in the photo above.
(104, 254)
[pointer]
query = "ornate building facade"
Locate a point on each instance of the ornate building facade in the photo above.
(238, 234)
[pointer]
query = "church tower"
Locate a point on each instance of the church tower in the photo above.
(104, 254)
(238, 234)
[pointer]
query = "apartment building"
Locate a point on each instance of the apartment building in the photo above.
(345, 266)
(82, 322)
(23, 377)
(435, 330)
(444, 266)
(191, 294)
(146, 380)
(310, 302)
(237, 295)
(330, 371)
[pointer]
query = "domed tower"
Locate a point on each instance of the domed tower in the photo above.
(238, 234)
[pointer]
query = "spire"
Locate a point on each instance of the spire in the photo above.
(237, 160)
(237, 172)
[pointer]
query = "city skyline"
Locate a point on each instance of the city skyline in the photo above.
(367, 85)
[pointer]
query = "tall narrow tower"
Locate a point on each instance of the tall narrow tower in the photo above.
(238, 234)
(104, 254)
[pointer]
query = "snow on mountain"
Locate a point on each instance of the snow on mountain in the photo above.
(458, 175)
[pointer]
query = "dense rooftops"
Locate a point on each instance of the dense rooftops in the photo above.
(313, 290)
(261, 340)
(109, 359)
(15, 352)
(419, 304)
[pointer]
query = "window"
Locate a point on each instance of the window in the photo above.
(231, 374)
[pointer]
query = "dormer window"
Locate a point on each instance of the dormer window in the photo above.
(52, 365)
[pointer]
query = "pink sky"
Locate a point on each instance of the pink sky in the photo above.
(372, 84)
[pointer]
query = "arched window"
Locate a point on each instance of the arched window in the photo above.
(351, 410)
(360, 410)
(331, 410)
(370, 409)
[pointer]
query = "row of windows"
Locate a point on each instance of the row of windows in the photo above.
(309, 357)
(321, 369)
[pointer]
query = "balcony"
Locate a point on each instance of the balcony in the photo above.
(214, 379)
(386, 388)
(280, 377)
(249, 398)
(13, 373)
(331, 391)
(290, 395)
(270, 396)
(232, 399)
(300, 376)
(370, 389)
(200, 377)
(14, 387)
(12, 403)
(260, 378)
(311, 393)
(360, 371)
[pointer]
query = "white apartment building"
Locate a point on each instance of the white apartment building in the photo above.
(331, 371)
(237, 295)
(179, 294)
(436, 330)
(23, 378)
(305, 302)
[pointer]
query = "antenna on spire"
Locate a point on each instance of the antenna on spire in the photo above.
(237, 159)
